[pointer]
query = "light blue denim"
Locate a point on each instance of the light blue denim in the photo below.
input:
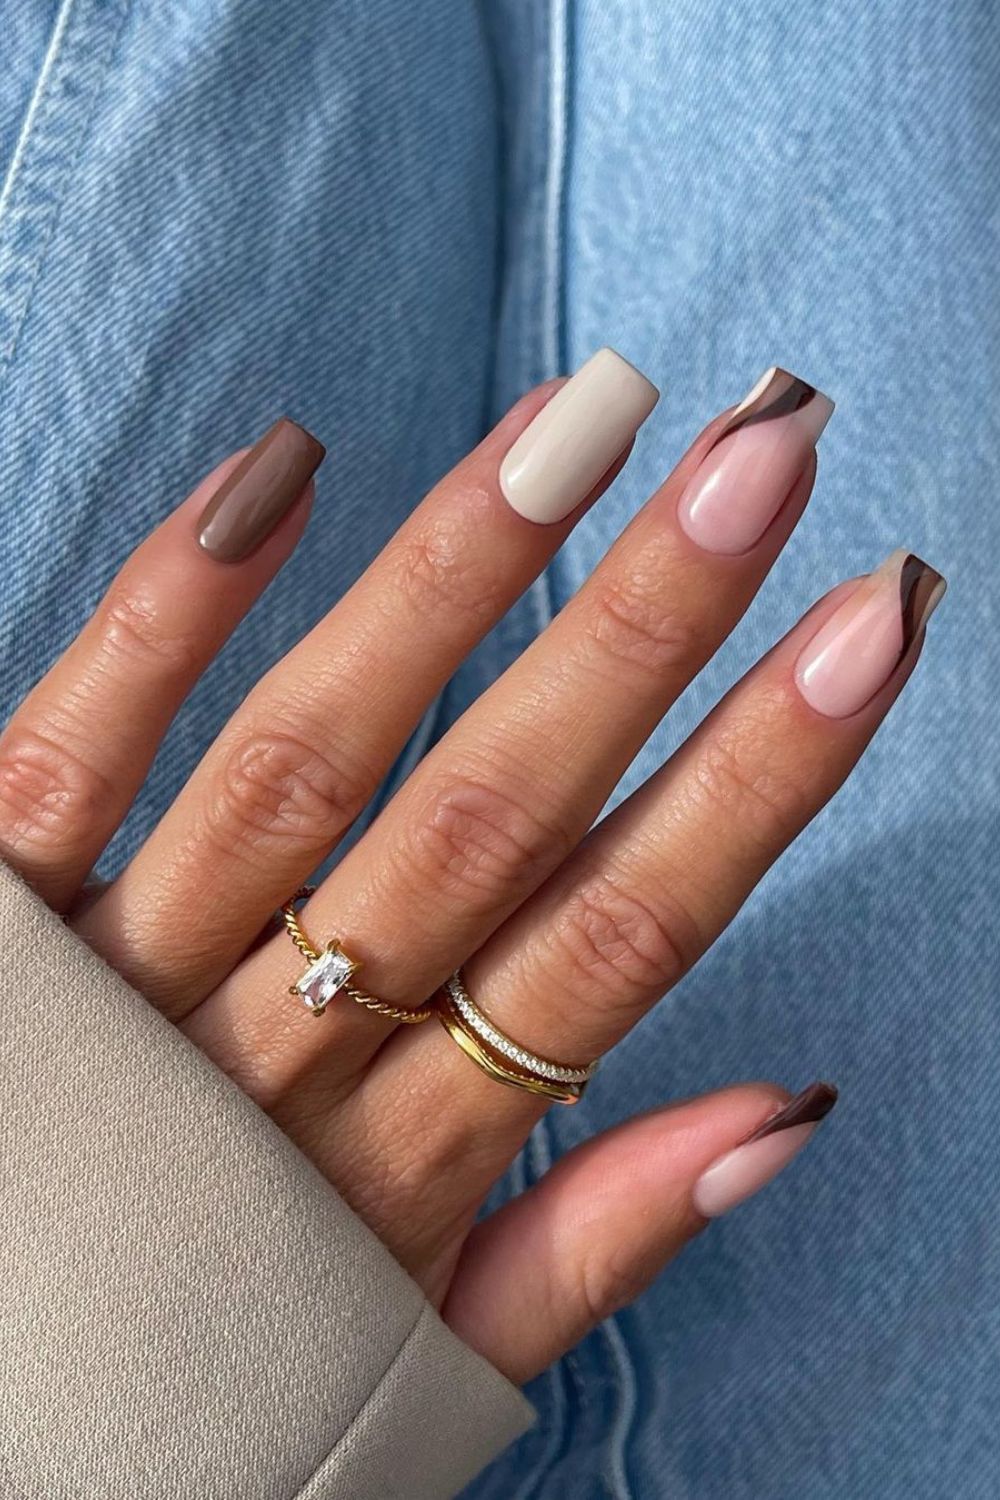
(388, 219)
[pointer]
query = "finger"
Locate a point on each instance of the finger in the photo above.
(309, 747)
(658, 880)
(518, 781)
(544, 1270)
(77, 750)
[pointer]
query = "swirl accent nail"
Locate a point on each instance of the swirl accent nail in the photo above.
(853, 655)
(757, 1160)
(746, 476)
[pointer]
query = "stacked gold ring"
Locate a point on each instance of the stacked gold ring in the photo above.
(502, 1058)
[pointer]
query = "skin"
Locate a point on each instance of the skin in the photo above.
(483, 859)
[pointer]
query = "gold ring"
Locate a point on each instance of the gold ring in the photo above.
(329, 974)
(499, 1056)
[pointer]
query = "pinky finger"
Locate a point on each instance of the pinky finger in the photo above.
(77, 750)
(544, 1270)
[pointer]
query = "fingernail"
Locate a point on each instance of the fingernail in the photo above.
(757, 1160)
(748, 473)
(576, 437)
(855, 653)
(249, 504)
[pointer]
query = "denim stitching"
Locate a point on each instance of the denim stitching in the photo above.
(624, 1418)
(47, 151)
(553, 320)
(554, 242)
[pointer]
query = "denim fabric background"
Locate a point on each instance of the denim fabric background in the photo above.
(388, 219)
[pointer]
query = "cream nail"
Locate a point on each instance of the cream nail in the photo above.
(576, 437)
(746, 476)
(758, 1160)
(855, 653)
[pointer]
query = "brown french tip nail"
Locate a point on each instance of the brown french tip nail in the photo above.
(921, 589)
(852, 656)
(807, 1108)
(758, 1158)
(248, 505)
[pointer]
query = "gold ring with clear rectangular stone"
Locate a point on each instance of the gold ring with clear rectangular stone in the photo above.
(330, 972)
(499, 1056)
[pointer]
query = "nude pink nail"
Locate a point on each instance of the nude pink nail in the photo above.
(758, 1160)
(748, 473)
(855, 653)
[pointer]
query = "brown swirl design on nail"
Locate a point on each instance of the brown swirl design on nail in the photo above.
(784, 393)
(917, 584)
(806, 1108)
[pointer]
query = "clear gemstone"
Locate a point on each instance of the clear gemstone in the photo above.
(324, 978)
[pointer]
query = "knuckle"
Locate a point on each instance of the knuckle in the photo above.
(278, 790)
(440, 574)
(47, 794)
(480, 838)
(636, 626)
(761, 805)
(608, 1277)
(619, 943)
(133, 633)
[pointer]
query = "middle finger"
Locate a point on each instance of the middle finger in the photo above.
(515, 785)
(306, 750)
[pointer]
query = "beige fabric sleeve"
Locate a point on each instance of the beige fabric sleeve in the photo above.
(186, 1306)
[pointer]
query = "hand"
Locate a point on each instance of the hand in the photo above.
(483, 859)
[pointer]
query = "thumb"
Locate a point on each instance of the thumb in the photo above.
(594, 1232)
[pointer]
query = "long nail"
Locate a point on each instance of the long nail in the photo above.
(757, 1160)
(855, 653)
(748, 473)
(576, 437)
(248, 505)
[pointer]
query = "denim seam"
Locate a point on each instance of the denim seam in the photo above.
(554, 241)
(48, 148)
(500, 249)
(555, 188)
(542, 596)
(621, 1425)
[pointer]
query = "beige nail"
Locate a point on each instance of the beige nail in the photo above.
(576, 437)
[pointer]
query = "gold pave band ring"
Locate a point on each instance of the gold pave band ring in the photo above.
(501, 1058)
(330, 972)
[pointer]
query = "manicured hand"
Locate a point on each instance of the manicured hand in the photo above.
(486, 857)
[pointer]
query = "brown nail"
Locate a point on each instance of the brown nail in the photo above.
(805, 1109)
(261, 489)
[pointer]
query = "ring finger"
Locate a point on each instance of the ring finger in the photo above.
(654, 884)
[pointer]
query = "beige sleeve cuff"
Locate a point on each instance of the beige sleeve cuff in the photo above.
(186, 1306)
